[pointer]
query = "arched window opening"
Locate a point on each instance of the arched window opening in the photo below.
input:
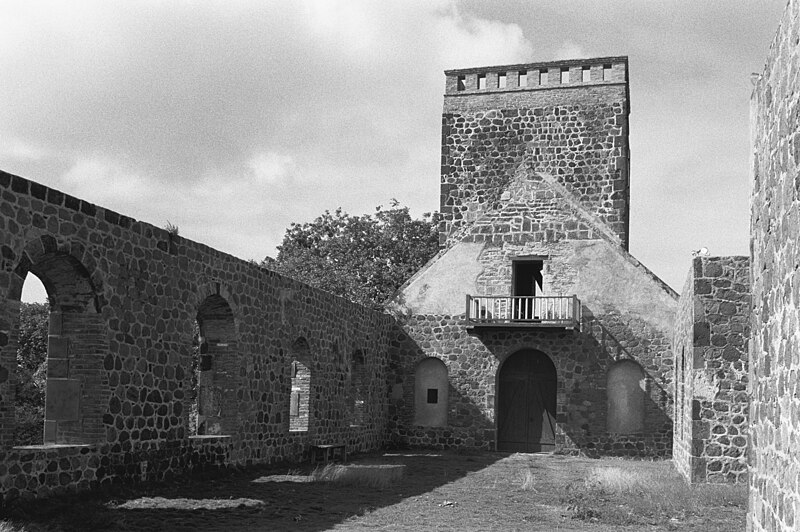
(300, 399)
(31, 381)
(626, 397)
(217, 369)
(359, 389)
(75, 398)
(431, 387)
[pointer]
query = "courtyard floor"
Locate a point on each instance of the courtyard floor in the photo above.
(438, 491)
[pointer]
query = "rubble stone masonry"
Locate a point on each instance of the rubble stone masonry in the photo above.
(125, 296)
(562, 122)
(710, 346)
(775, 246)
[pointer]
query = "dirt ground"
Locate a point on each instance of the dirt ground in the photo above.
(438, 491)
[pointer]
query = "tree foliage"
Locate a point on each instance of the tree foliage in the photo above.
(31, 372)
(362, 258)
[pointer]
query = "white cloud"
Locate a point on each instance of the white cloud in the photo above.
(272, 168)
(570, 50)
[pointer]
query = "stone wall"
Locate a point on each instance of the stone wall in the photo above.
(710, 346)
(539, 171)
(627, 315)
(775, 322)
(125, 297)
(576, 132)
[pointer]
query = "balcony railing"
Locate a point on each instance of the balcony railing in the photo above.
(524, 311)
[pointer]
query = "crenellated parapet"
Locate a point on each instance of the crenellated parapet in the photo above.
(537, 76)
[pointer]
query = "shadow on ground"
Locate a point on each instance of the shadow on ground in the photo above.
(259, 498)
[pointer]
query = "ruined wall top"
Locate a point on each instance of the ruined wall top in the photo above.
(537, 76)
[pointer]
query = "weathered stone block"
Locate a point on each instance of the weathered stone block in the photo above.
(57, 368)
(62, 402)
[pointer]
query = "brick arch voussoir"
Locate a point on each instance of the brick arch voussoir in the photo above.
(217, 288)
(37, 248)
(506, 353)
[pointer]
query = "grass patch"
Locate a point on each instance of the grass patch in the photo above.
(528, 480)
(379, 476)
(636, 495)
(8, 526)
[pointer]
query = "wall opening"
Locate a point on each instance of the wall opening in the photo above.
(527, 403)
(543, 76)
(564, 75)
(606, 72)
(357, 397)
(522, 80)
(526, 280)
(501, 81)
(481, 81)
(586, 74)
(626, 388)
(461, 83)
(300, 398)
(31, 381)
(75, 379)
(217, 368)
(431, 386)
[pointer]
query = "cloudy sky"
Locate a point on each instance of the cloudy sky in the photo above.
(233, 119)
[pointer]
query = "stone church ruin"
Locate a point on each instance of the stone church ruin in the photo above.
(533, 328)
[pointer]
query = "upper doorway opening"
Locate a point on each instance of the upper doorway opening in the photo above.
(527, 277)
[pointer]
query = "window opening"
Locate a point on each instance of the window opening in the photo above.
(461, 83)
(32, 339)
(300, 382)
(501, 81)
(358, 389)
(606, 72)
(216, 382)
(522, 81)
(433, 396)
(586, 74)
(481, 81)
(543, 77)
(564, 75)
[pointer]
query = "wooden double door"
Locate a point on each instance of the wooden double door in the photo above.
(526, 408)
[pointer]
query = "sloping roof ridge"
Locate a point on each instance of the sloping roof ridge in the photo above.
(579, 209)
(604, 230)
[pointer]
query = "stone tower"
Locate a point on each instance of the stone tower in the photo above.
(565, 119)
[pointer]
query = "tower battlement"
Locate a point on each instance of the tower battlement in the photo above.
(537, 76)
(564, 119)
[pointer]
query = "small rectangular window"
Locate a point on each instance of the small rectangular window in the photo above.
(501, 81)
(433, 396)
(606, 72)
(462, 83)
(586, 74)
(523, 79)
(543, 77)
(481, 81)
(564, 75)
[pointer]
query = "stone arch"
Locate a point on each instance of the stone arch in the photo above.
(431, 393)
(217, 367)
(526, 410)
(77, 393)
(626, 391)
(300, 374)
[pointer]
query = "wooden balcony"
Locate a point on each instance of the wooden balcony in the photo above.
(562, 312)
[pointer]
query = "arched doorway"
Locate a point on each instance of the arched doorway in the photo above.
(526, 405)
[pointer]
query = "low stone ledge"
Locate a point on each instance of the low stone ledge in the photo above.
(210, 437)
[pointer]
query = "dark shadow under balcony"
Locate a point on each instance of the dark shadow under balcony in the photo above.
(562, 312)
